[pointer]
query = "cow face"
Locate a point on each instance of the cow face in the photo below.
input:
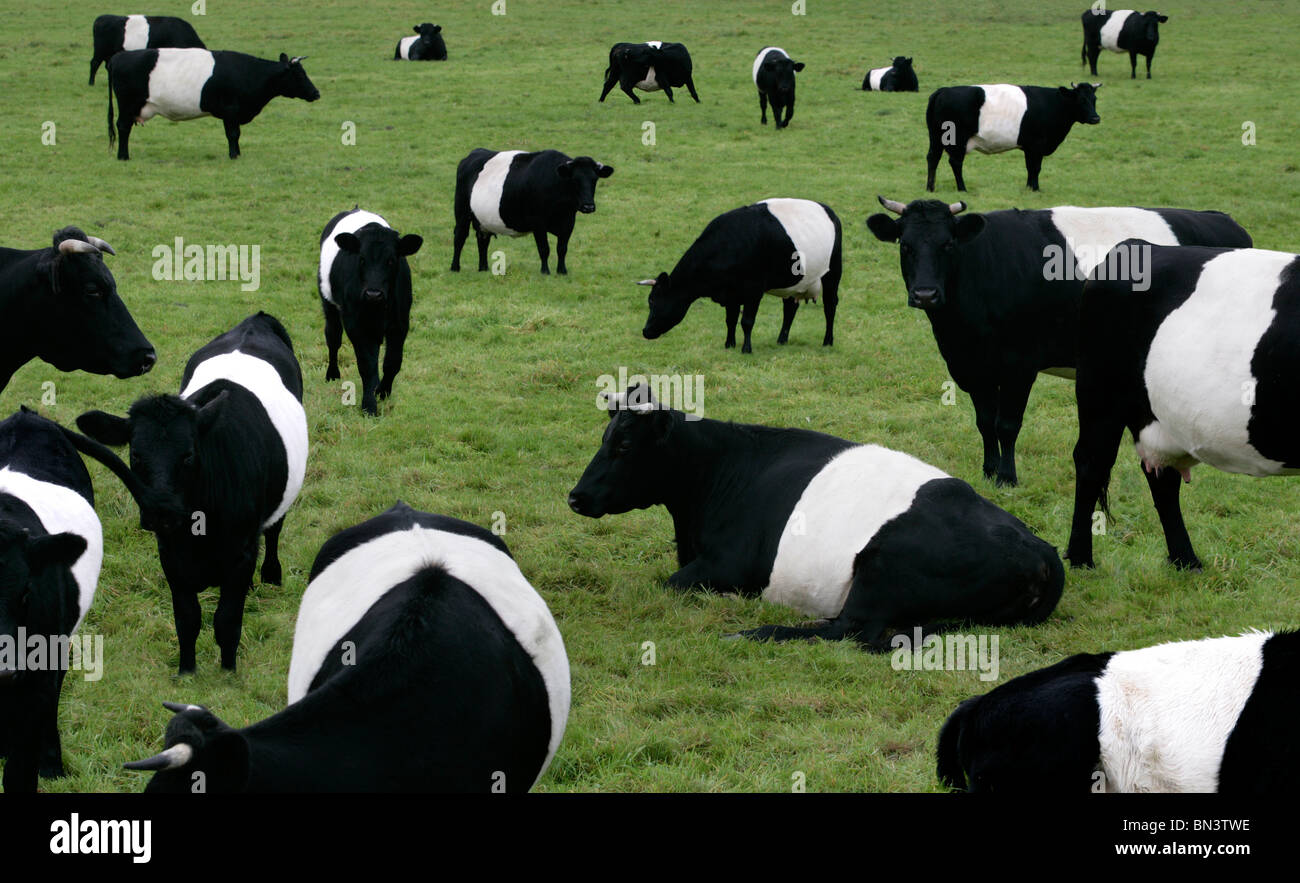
(902, 63)
(780, 73)
(580, 176)
(34, 573)
(1151, 22)
(668, 306)
(84, 326)
(378, 249)
(631, 467)
(1082, 97)
(197, 741)
(927, 232)
(292, 81)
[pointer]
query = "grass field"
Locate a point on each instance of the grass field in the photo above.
(495, 408)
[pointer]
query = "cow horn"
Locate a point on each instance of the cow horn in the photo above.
(896, 207)
(100, 244)
(957, 207)
(173, 758)
(1074, 85)
(646, 282)
(77, 246)
(296, 59)
(179, 707)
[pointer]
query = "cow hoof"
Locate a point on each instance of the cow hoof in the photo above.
(184, 672)
(1192, 564)
(1080, 563)
(51, 770)
(729, 345)
(332, 374)
(781, 341)
(271, 576)
(747, 349)
(1004, 481)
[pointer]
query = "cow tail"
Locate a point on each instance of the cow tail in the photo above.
(112, 133)
(106, 456)
(1083, 53)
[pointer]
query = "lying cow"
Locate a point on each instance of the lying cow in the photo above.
(114, 33)
(648, 66)
(1002, 289)
(185, 84)
(774, 77)
(1200, 367)
(859, 535)
(898, 77)
(427, 46)
(1185, 716)
(998, 118)
(1121, 30)
(790, 248)
(423, 661)
(512, 193)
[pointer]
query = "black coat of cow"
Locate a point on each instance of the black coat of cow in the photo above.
(1121, 30)
(649, 67)
(427, 46)
(774, 75)
(898, 77)
(114, 33)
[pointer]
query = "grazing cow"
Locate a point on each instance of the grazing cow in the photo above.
(60, 305)
(774, 76)
(185, 84)
(1122, 30)
(114, 33)
(1186, 716)
(365, 289)
(998, 118)
(790, 248)
(214, 468)
(512, 193)
(1200, 367)
(898, 77)
(1003, 299)
(860, 535)
(51, 547)
(423, 661)
(428, 46)
(649, 66)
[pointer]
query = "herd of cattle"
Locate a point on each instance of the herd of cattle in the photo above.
(1196, 362)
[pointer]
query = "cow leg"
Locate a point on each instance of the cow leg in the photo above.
(690, 86)
(562, 234)
(610, 82)
(458, 242)
(1033, 163)
(669, 92)
(394, 342)
(748, 312)
(94, 66)
(789, 112)
(20, 775)
(543, 249)
(271, 573)
(483, 240)
(762, 108)
(1094, 455)
(188, 617)
(957, 156)
(367, 353)
(626, 85)
(50, 763)
(228, 623)
(333, 338)
(124, 121)
(932, 163)
(1149, 57)
(1013, 395)
(1094, 52)
(831, 297)
(1133, 64)
(985, 399)
(232, 136)
(733, 313)
(791, 306)
(1164, 484)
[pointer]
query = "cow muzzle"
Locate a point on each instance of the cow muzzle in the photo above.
(587, 208)
(581, 504)
(373, 295)
(924, 298)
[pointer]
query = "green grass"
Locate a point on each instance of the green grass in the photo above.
(495, 411)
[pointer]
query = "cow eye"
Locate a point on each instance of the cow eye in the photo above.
(93, 291)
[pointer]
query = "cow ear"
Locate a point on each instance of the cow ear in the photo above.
(348, 242)
(437, 29)
(284, 58)
(1065, 91)
(105, 428)
(209, 413)
(969, 226)
(54, 550)
(604, 171)
(1162, 18)
(798, 66)
(565, 169)
(409, 244)
(886, 228)
(416, 29)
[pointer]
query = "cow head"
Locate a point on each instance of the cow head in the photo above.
(1151, 22)
(629, 470)
(668, 306)
(431, 36)
(197, 741)
(36, 587)
(928, 232)
(902, 62)
(291, 81)
(378, 250)
(781, 70)
(82, 325)
(1082, 98)
(580, 176)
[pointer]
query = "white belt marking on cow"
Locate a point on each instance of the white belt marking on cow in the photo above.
(1000, 117)
(654, 44)
(136, 33)
(485, 197)
(762, 54)
(1110, 30)
(176, 84)
(329, 249)
(405, 44)
(813, 234)
(1101, 229)
(877, 74)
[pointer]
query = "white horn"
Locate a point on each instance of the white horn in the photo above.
(173, 758)
(101, 244)
(895, 207)
(77, 246)
(957, 207)
(646, 282)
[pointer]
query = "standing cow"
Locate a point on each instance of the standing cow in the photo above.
(860, 535)
(423, 661)
(898, 77)
(790, 248)
(1122, 30)
(649, 66)
(427, 46)
(365, 289)
(185, 84)
(1002, 290)
(512, 193)
(998, 118)
(114, 33)
(774, 76)
(214, 468)
(60, 305)
(1199, 365)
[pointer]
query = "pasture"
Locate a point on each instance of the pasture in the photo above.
(494, 415)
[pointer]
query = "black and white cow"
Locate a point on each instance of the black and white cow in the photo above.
(114, 33)
(774, 76)
(60, 305)
(998, 118)
(1186, 716)
(1199, 366)
(214, 468)
(51, 548)
(648, 66)
(185, 84)
(898, 77)
(365, 289)
(859, 535)
(427, 46)
(1121, 30)
(790, 248)
(513, 193)
(423, 661)
(1002, 290)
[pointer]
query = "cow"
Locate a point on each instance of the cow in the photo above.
(51, 548)
(898, 77)
(365, 289)
(60, 305)
(1121, 30)
(1002, 290)
(1184, 716)
(774, 76)
(1199, 365)
(648, 66)
(856, 534)
(214, 469)
(512, 193)
(423, 661)
(790, 248)
(998, 118)
(428, 46)
(114, 33)
(185, 84)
